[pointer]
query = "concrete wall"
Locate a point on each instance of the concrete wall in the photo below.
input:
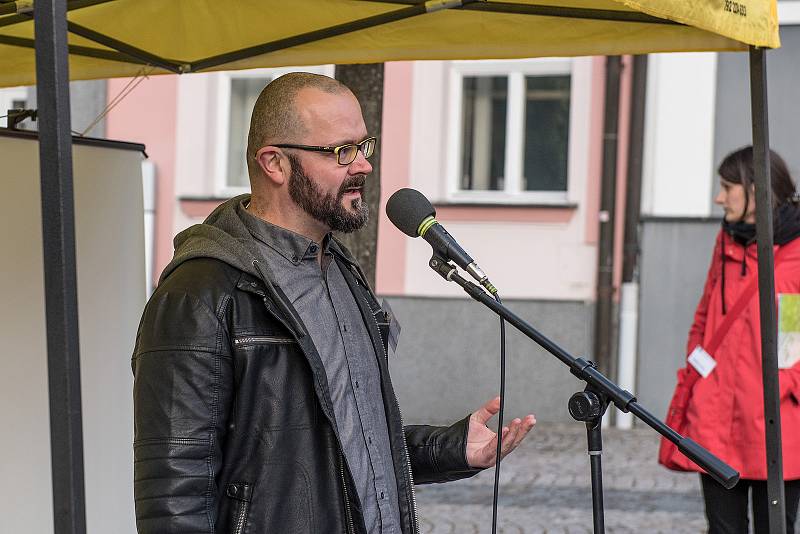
(448, 358)
(87, 101)
(675, 257)
(733, 123)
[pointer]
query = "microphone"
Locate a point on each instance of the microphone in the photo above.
(413, 214)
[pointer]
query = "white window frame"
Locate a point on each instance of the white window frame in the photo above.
(789, 13)
(515, 71)
(223, 109)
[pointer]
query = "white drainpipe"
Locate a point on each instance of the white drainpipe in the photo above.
(628, 325)
(149, 190)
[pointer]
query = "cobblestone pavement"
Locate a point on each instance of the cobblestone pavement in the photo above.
(545, 487)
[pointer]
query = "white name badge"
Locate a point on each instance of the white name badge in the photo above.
(702, 361)
(394, 325)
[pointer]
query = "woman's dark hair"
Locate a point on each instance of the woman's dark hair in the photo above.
(737, 168)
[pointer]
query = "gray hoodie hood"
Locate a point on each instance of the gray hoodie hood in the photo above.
(222, 236)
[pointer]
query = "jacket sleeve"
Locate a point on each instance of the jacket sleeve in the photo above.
(181, 394)
(698, 328)
(439, 453)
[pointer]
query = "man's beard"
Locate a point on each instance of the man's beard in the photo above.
(324, 207)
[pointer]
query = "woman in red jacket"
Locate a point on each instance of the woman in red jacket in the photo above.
(726, 411)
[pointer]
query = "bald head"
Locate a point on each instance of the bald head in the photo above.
(275, 118)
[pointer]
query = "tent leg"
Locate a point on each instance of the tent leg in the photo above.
(58, 237)
(766, 289)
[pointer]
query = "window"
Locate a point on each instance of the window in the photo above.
(237, 92)
(244, 92)
(546, 133)
(13, 98)
(511, 124)
(484, 112)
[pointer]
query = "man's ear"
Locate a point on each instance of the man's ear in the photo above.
(272, 164)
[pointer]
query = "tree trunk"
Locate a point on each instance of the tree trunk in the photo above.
(366, 82)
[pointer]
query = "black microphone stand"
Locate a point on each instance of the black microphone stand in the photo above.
(590, 404)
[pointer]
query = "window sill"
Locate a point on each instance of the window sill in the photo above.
(544, 199)
(506, 204)
(546, 213)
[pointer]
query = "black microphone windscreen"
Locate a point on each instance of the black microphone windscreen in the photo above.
(407, 208)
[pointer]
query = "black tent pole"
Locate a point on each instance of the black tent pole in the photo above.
(60, 286)
(766, 289)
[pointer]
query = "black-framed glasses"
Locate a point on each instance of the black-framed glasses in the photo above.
(345, 154)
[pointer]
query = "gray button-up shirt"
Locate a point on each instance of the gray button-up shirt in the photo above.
(326, 305)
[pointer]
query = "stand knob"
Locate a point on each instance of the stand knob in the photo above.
(584, 406)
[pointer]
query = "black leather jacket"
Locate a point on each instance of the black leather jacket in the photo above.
(234, 426)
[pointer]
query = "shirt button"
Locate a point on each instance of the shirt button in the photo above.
(356, 384)
(313, 249)
(294, 259)
(369, 439)
(382, 496)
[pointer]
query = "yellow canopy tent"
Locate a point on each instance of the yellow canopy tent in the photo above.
(89, 39)
(111, 38)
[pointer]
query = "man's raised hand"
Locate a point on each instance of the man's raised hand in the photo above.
(482, 441)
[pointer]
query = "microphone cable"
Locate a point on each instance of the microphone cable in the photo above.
(499, 416)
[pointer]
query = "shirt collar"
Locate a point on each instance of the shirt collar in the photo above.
(292, 246)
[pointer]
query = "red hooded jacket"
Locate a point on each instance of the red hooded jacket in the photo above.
(726, 410)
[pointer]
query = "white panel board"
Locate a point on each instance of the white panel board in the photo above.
(111, 289)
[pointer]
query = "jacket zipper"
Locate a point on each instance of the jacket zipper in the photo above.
(410, 474)
(241, 518)
(249, 340)
(403, 435)
(240, 493)
(349, 527)
(172, 441)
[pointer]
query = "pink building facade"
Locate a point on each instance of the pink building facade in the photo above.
(537, 244)
(466, 134)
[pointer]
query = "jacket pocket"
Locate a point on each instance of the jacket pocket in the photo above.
(273, 382)
(246, 340)
(241, 493)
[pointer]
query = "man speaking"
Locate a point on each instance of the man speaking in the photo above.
(262, 396)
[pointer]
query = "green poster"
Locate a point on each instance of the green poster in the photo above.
(788, 329)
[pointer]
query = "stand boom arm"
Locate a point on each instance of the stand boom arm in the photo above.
(586, 371)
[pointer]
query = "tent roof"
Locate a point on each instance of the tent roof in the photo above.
(111, 38)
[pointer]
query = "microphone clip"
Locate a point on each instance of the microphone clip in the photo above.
(449, 272)
(445, 268)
